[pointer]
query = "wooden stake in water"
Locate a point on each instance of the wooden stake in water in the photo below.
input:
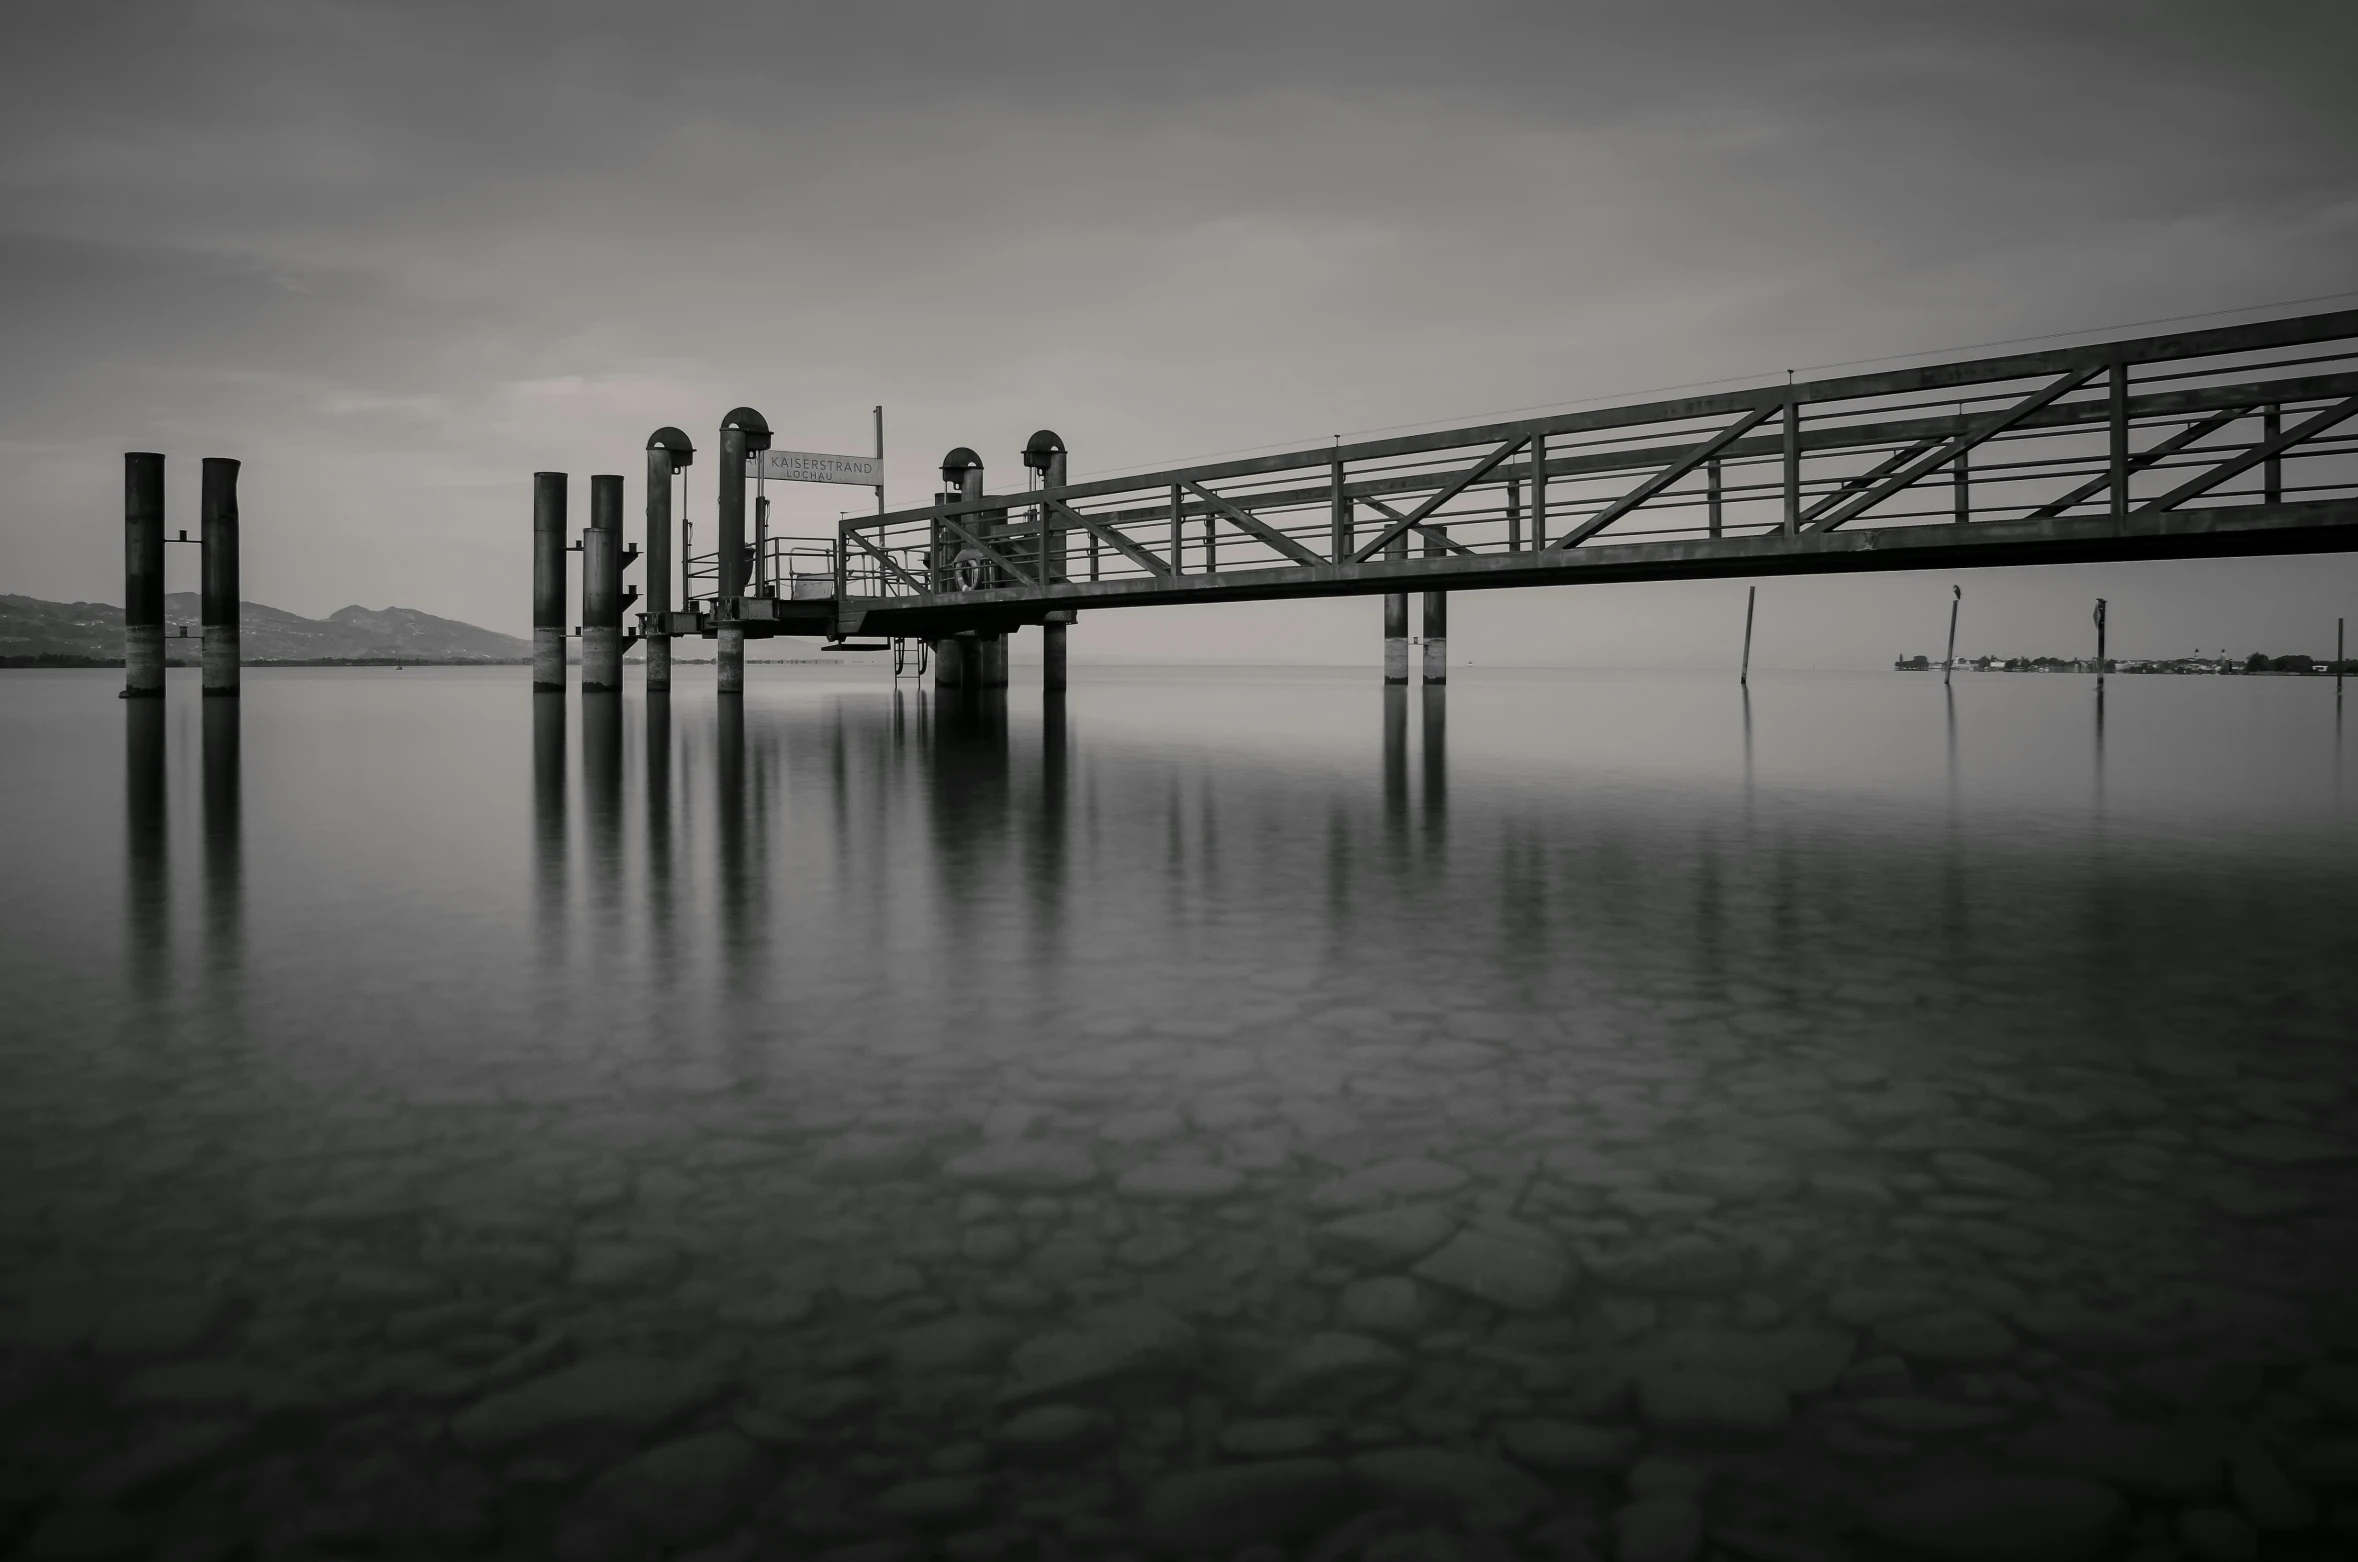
(1948, 663)
(2099, 637)
(1745, 676)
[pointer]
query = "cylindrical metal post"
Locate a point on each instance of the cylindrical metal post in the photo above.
(548, 582)
(1396, 620)
(143, 575)
(668, 450)
(1436, 623)
(742, 432)
(1045, 454)
(991, 661)
(1053, 674)
(217, 514)
(1792, 523)
(601, 588)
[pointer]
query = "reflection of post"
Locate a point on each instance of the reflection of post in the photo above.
(147, 844)
(1436, 754)
(224, 846)
(601, 791)
(1395, 759)
(659, 865)
(1047, 857)
(548, 815)
(730, 834)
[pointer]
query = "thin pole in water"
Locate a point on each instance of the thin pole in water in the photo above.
(1744, 676)
(2100, 640)
(1948, 665)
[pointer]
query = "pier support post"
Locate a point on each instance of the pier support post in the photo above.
(217, 514)
(548, 582)
(668, 451)
(143, 575)
(1045, 454)
(1396, 620)
(1053, 677)
(1395, 637)
(601, 588)
(742, 432)
(991, 661)
(1436, 624)
(953, 656)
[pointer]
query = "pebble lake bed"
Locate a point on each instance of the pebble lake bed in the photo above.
(1245, 1115)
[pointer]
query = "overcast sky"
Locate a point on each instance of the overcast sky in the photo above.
(397, 257)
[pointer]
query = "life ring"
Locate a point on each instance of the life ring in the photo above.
(971, 569)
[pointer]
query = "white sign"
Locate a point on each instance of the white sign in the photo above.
(808, 466)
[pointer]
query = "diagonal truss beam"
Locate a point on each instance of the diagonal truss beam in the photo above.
(2236, 466)
(1661, 480)
(1113, 535)
(1022, 575)
(886, 559)
(1449, 490)
(1974, 433)
(1254, 526)
(2139, 460)
(1429, 533)
(1875, 474)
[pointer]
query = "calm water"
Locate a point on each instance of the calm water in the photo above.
(1236, 1115)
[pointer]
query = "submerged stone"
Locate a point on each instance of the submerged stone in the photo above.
(2001, 1518)
(605, 1395)
(1526, 1274)
(1219, 1510)
(1023, 1166)
(1130, 1340)
(1384, 1239)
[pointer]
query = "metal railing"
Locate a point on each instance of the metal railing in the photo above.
(2243, 415)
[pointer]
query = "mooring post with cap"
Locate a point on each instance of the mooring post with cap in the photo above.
(668, 450)
(959, 658)
(217, 514)
(601, 588)
(143, 575)
(742, 432)
(1045, 454)
(548, 582)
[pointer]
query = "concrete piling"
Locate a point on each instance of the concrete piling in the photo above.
(548, 582)
(1396, 620)
(143, 575)
(668, 451)
(1045, 454)
(217, 514)
(1436, 623)
(742, 432)
(601, 589)
(1053, 676)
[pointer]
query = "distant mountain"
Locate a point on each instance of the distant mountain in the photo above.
(65, 633)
